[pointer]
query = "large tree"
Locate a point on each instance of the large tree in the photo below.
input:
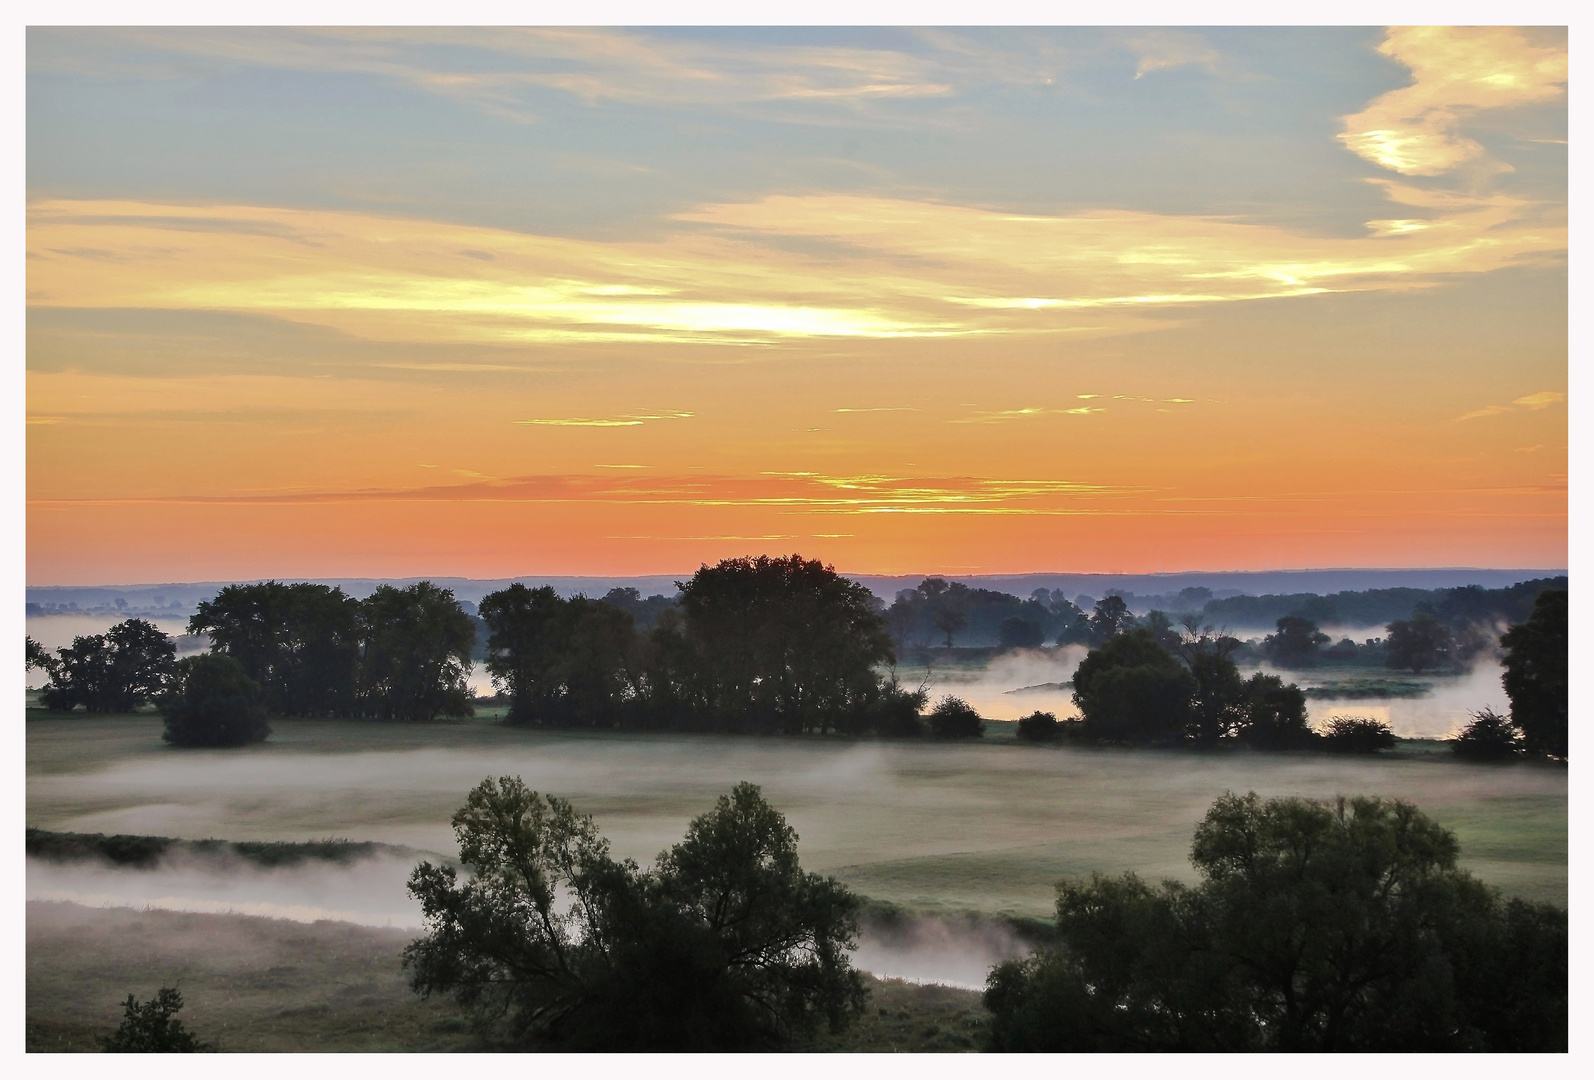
(117, 671)
(1131, 689)
(1296, 643)
(1315, 927)
(415, 653)
(725, 944)
(1420, 644)
(783, 644)
(1536, 660)
(299, 641)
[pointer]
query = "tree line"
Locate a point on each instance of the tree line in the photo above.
(777, 645)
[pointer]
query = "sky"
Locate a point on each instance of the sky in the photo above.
(498, 302)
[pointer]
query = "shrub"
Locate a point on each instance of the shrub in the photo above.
(148, 1028)
(1357, 735)
(954, 718)
(213, 702)
(1490, 737)
(1038, 727)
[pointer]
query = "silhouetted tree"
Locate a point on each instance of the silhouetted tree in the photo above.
(1536, 674)
(415, 653)
(782, 644)
(1420, 644)
(299, 641)
(151, 1027)
(1110, 618)
(725, 944)
(212, 701)
(1357, 735)
(954, 718)
(1315, 927)
(1488, 737)
(39, 657)
(1018, 633)
(1038, 727)
(1133, 690)
(525, 647)
(1296, 644)
(116, 671)
(1275, 715)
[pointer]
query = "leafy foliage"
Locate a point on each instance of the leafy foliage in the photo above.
(1296, 643)
(1489, 737)
(1133, 690)
(1315, 927)
(726, 944)
(150, 1028)
(1038, 727)
(416, 646)
(1535, 676)
(954, 718)
(116, 671)
(299, 641)
(1422, 643)
(213, 702)
(1357, 735)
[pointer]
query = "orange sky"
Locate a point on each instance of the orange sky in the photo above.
(1327, 334)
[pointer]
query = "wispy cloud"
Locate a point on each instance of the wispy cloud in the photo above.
(1001, 415)
(1457, 71)
(1532, 402)
(728, 273)
(1161, 49)
(628, 420)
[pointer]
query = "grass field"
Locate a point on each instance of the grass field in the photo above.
(940, 830)
(988, 826)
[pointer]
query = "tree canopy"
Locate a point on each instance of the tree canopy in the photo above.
(117, 671)
(212, 701)
(724, 944)
(299, 641)
(416, 646)
(1315, 927)
(1535, 678)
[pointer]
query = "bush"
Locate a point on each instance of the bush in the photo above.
(954, 718)
(1038, 727)
(895, 712)
(148, 1028)
(1490, 737)
(1357, 735)
(213, 702)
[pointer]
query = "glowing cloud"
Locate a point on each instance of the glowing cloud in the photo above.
(1456, 71)
(630, 420)
(905, 269)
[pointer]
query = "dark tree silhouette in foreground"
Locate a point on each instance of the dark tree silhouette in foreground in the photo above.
(1315, 927)
(725, 944)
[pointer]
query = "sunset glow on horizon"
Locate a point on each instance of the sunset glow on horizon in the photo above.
(486, 303)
